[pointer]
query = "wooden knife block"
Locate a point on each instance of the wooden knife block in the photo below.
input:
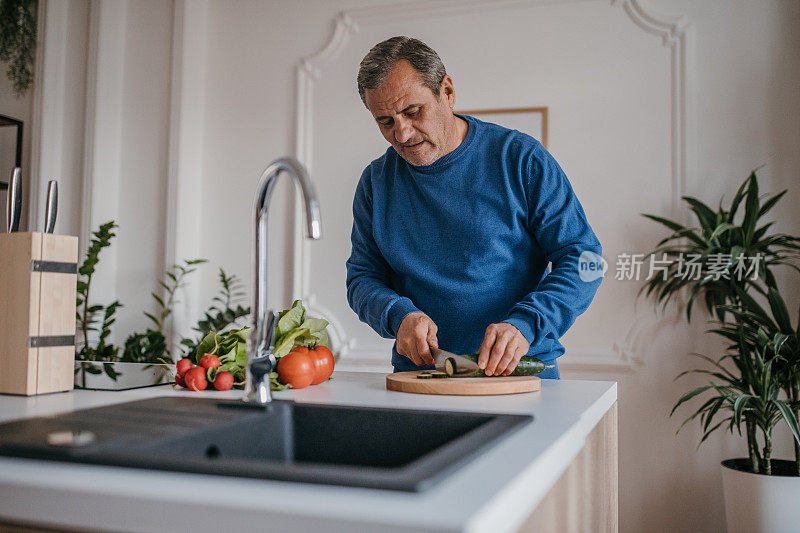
(38, 276)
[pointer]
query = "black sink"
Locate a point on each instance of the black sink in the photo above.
(395, 449)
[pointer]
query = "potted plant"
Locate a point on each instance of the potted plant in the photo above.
(145, 359)
(727, 263)
(761, 493)
(18, 42)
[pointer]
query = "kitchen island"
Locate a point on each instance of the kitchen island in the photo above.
(557, 473)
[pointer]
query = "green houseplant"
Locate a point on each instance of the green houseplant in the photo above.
(18, 41)
(731, 237)
(753, 386)
(768, 332)
(146, 358)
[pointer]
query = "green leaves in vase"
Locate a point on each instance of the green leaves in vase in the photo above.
(151, 346)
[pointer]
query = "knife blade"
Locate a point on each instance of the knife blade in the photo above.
(463, 362)
(14, 205)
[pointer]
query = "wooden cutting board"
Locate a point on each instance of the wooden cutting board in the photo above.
(408, 382)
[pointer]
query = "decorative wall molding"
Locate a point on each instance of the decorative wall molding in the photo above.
(102, 132)
(96, 176)
(676, 35)
(186, 119)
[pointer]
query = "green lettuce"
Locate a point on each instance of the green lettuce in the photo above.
(294, 328)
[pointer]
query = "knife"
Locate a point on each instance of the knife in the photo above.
(51, 209)
(463, 363)
(14, 206)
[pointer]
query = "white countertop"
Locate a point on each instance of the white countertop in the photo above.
(493, 493)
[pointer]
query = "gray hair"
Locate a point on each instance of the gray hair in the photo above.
(384, 55)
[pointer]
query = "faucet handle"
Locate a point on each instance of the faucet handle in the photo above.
(257, 387)
(260, 368)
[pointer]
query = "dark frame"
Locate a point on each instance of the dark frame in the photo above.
(9, 121)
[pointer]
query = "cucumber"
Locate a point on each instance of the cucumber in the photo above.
(431, 374)
(528, 366)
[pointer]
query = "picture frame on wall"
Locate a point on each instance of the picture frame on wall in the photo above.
(530, 120)
(10, 148)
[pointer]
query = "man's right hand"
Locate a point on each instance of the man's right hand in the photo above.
(415, 337)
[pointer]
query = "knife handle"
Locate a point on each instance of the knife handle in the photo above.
(14, 205)
(51, 209)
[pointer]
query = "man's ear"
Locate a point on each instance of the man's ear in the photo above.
(447, 90)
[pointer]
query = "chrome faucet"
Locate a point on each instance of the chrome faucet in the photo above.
(260, 359)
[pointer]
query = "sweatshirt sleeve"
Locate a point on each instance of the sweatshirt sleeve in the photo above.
(369, 287)
(558, 223)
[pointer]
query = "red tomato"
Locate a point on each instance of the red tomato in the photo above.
(195, 378)
(223, 381)
(209, 361)
(296, 369)
(183, 366)
(323, 363)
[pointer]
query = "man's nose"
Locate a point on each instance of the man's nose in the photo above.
(403, 131)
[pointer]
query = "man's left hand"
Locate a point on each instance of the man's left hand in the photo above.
(503, 346)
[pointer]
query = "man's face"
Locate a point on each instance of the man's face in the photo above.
(417, 123)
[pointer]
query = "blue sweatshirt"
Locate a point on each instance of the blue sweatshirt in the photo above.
(467, 240)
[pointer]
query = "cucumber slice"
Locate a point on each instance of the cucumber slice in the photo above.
(450, 367)
(424, 376)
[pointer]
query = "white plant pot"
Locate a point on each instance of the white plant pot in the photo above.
(755, 503)
(130, 375)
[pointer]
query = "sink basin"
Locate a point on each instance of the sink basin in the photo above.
(393, 449)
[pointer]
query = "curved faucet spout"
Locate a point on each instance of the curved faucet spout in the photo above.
(261, 341)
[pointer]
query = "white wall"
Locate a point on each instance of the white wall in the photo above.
(142, 211)
(747, 111)
(746, 114)
(61, 103)
(224, 73)
(607, 90)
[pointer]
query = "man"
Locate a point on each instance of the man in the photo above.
(454, 226)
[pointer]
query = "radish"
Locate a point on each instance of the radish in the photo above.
(179, 380)
(209, 361)
(195, 378)
(183, 366)
(223, 381)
